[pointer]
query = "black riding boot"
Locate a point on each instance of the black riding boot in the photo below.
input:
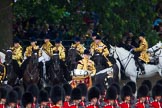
(140, 64)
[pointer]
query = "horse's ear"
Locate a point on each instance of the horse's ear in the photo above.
(111, 46)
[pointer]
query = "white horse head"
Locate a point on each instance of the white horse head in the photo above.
(128, 62)
(155, 47)
(111, 51)
(156, 51)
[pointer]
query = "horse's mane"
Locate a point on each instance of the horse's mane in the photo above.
(124, 51)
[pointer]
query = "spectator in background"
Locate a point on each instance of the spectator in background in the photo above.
(156, 23)
(45, 30)
(122, 43)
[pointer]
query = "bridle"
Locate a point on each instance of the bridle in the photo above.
(154, 51)
(128, 58)
(34, 60)
(56, 62)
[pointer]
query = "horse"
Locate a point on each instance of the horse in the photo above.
(55, 72)
(72, 58)
(31, 72)
(104, 72)
(155, 48)
(128, 62)
(155, 52)
(12, 68)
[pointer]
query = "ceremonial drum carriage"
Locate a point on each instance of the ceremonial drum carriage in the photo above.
(81, 76)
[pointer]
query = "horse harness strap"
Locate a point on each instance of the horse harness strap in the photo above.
(128, 60)
(30, 73)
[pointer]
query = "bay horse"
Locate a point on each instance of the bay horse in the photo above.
(31, 72)
(105, 74)
(12, 68)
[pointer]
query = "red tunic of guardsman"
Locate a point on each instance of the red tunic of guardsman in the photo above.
(33, 105)
(66, 104)
(74, 106)
(156, 95)
(93, 96)
(2, 105)
(49, 104)
(140, 105)
(82, 103)
(109, 106)
(126, 94)
(18, 106)
(124, 105)
(155, 104)
(56, 106)
(116, 102)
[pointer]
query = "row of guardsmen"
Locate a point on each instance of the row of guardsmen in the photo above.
(81, 97)
(49, 48)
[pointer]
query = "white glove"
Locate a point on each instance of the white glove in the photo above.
(92, 75)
